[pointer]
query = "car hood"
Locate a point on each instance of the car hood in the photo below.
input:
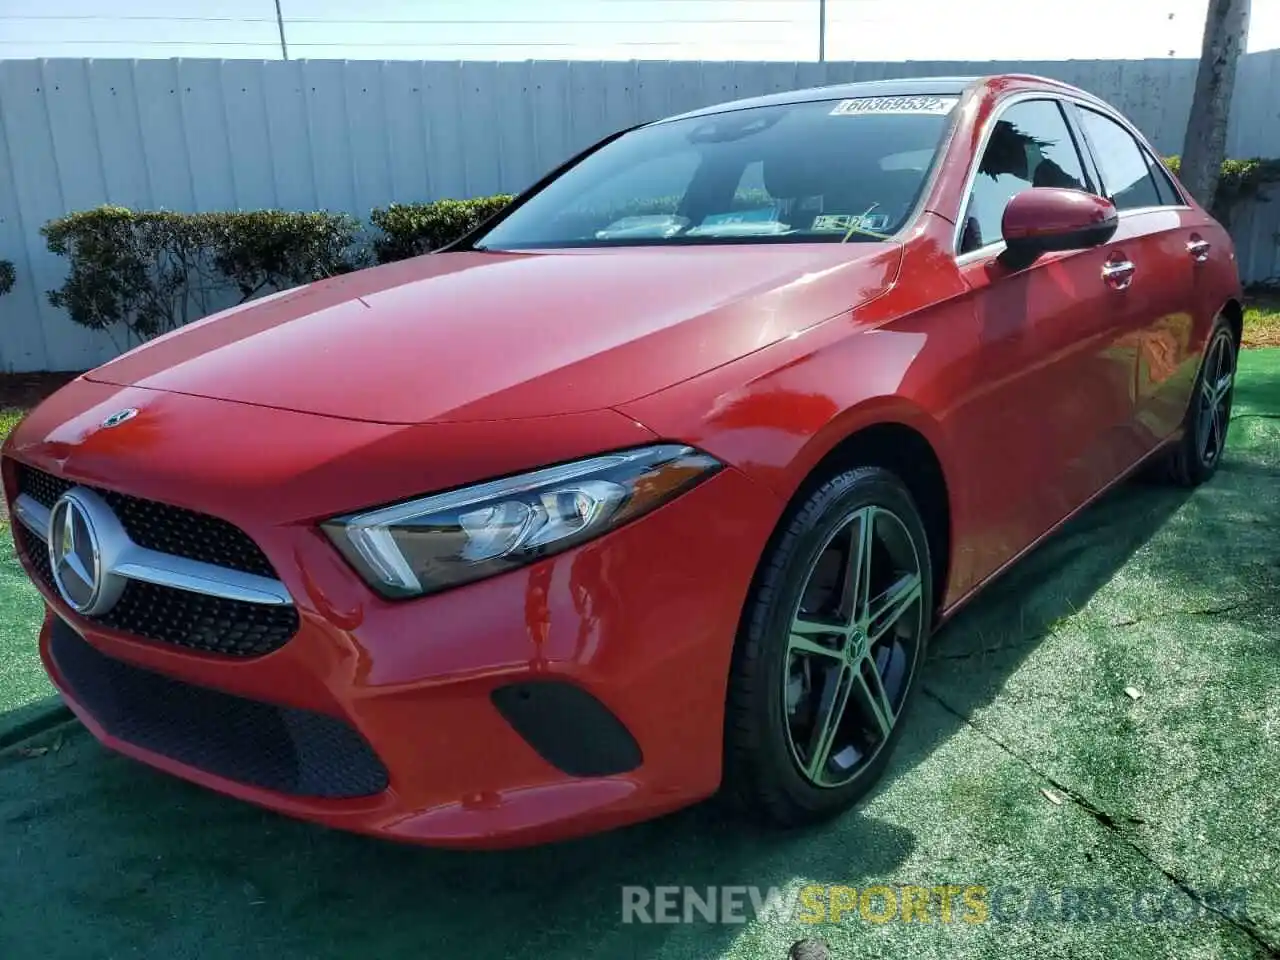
(488, 336)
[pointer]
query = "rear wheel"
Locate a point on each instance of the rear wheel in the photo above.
(830, 650)
(1196, 457)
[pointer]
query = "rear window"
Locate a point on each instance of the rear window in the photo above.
(830, 171)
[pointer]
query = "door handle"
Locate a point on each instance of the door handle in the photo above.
(1118, 274)
(1198, 247)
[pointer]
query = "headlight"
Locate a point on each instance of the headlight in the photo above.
(426, 545)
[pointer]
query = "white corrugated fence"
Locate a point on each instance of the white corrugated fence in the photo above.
(205, 135)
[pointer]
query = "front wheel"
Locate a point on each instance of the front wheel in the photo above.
(830, 650)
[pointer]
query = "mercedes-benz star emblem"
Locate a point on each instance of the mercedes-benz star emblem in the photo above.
(120, 416)
(84, 537)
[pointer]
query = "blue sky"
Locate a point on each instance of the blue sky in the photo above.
(617, 29)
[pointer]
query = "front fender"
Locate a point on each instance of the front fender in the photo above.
(776, 414)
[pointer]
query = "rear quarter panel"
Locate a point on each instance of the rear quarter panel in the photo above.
(1218, 280)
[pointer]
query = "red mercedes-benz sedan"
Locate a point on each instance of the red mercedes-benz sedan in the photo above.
(651, 487)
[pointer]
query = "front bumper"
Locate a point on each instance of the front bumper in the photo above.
(638, 626)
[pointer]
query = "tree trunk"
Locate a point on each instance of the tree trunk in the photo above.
(1226, 29)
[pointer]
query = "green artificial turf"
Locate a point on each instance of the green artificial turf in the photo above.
(1168, 593)
(27, 699)
(26, 696)
(9, 417)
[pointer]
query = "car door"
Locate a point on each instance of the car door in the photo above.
(1161, 238)
(1051, 395)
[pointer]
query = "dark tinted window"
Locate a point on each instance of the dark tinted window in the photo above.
(1164, 183)
(1030, 146)
(1126, 179)
(827, 171)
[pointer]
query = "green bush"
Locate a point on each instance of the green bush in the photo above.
(154, 271)
(6, 276)
(412, 229)
(276, 249)
(1238, 182)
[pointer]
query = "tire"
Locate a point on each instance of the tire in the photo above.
(1195, 457)
(775, 766)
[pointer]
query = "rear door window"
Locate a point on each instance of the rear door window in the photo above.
(1169, 193)
(1127, 180)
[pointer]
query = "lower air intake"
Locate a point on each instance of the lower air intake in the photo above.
(291, 751)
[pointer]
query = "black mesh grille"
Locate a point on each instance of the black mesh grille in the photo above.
(38, 551)
(159, 526)
(199, 621)
(165, 614)
(194, 620)
(40, 485)
(292, 751)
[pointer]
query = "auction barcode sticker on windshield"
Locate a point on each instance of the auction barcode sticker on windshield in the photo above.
(919, 104)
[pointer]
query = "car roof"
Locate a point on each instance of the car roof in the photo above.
(905, 86)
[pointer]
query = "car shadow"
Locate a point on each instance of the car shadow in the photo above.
(147, 842)
(974, 654)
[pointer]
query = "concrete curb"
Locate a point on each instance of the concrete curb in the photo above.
(32, 720)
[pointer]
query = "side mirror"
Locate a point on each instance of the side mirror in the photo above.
(1045, 219)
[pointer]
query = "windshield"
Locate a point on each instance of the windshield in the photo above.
(827, 171)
